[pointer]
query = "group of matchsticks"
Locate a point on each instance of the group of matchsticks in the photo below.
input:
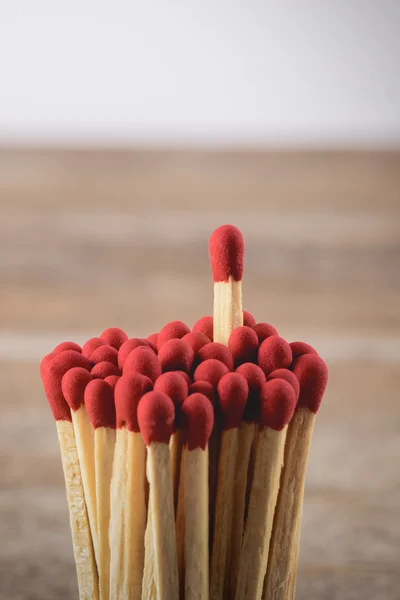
(185, 453)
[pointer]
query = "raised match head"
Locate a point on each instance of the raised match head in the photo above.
(114, 336)
(226, 248)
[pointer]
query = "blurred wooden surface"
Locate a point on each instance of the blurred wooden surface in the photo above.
(92, 239)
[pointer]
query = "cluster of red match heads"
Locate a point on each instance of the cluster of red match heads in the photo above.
(181, 378)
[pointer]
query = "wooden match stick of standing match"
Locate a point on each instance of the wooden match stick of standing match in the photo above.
(156, 416)
(232, 393)
(53, 368)
(278, 401)
(280, 581)
(99, 402)
(127, 495)
(226, 249)
(197, 422)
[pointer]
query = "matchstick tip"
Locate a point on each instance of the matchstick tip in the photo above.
(143, 360)
(226, 248)
(233, 391)
(174, 385)
(156, 417)
(243, 343)
(287, 376)
(218, 351)
(130, 388)
(312, 374)
(299, 349)
(274, 353)
(90, 346)
(67, 346)
(278, 402)
(112, 380)
(205, 388)
(128, 346)
(99, 403)
(104, 369)
(210, 370)
(196, 340)
(205, 325)
(255, 378)
(175, 355)
(105, 353)
(248, 319)
(264, 331)
(114, 336)
(197, 416)
(73, 385)
(170, 331)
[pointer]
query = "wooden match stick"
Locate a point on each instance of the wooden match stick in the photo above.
(255, 378)
(99, 402)
(53, 368)
(127, 494)
(232, 392)
(197, 423)
(156, 416)
(226, 249)
(278, 402)
(280, 582)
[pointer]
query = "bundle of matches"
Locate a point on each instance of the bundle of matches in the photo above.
(185, 453)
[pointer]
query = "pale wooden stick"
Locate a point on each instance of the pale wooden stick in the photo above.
(246, 439)
(166, 564)
(220, 555)
(81, 535)
(214, 445)
(180, 528)
(196, 524)
(263, 497)
(280, 580)
(84, 436)
(104, 443)
(116, 529)
(175, 446)
(149, 591)
(228, 312)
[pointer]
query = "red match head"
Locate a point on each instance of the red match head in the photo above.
(127, 348)
(156, 416)
(104, 369)
(185, 376)
(153, 338)
(99, 403)
(264, 331)
(73, 385)
(312, 373)
(288, 376)
(90, 346)
(171, 331)
(205, 325)
(301, 348)
(197, 416)
(226, 249)
(67, 346)
(114, 336)
(232, 392)
(255, 378)
(248, 319)
(150, 344)
(243, 344)
(175, 355)
(173, 385)
(210, 370)
(128, 392)
(218, 351)
(205, 388)
(53, 372)
(196, 340)
(274, 353)
(278, 402)
(104, 353)
(143, 360)
(44, 364)
(112, 380)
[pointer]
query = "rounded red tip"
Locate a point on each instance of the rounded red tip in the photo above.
(112, 380)
(67, 346)
(90, 346)
(232, 392)
(196, 340)
(205, 325)
(288, 376)
(264, 331)
(150, 344)
(99, 403)
(156, 416)
(170, 331)
(153, 339)
(197, 416)
(104, 353)
(301, 348)
(143, 360)
(129, 390)
(255, 378)
(205, 388)
(114, 336)
(217, 351)
(104, 369)
(173, 385)
(127, 348)
(52, 376)
(312, 373)
(175, 355)
(226, 249)
(185, 376)
(44, 364)
(274, 353)
(243, 343)
(210, 370)
(73, 385)
(248, 319)
(278, 402)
